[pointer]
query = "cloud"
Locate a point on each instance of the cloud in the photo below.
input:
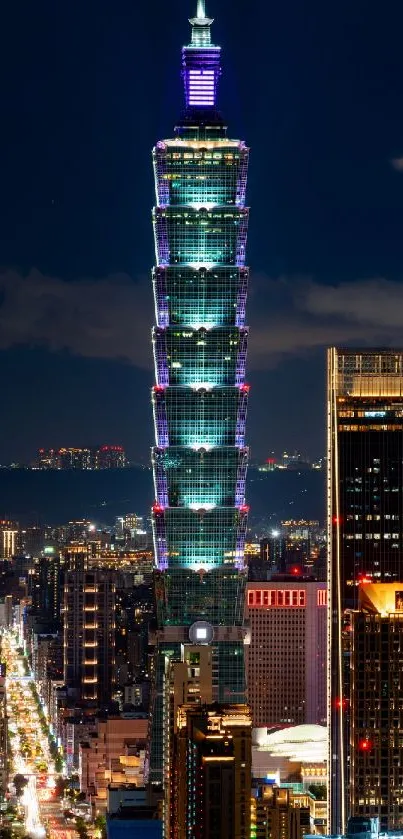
(291, 317)
(377, 303)
(111, 318)
(397, 163)
(106, 318)
(292, 336)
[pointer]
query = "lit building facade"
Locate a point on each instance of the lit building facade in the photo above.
(91, 457)
(9, 532)
(89, 636)
(47, 662)
(376, 785)
(277, 813)
(109, 457)
(286, 656)
(114, 751)
(3, 731)
(6, 611)
(365, 521)
(187, 682)
(212, 772)
(200, 396)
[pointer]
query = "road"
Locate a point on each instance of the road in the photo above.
(30, 752)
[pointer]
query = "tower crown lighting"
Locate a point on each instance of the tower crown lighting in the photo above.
(201, 67)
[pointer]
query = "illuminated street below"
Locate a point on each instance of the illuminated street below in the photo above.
(29, 745)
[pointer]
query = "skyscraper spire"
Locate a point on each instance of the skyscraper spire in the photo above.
(201, 9)
(200, 24)
(201, 63)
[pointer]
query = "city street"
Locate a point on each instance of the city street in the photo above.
(32, 764)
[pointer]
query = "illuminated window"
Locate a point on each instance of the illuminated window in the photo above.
(322, 597)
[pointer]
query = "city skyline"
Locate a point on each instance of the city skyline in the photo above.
(326, 187)
(164, 667)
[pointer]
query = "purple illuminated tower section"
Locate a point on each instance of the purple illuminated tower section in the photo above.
(200, 396)
(201, 63)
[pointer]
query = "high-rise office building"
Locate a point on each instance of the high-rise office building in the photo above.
(365, 522)
(47, 662)
(47, 591)
(376, 706)
(286, 656)
(9, 532)
(76, 555)
(89, 635)
(277, 813)
(187, 682)
(32, 540)
(212, 772)
(200, 396)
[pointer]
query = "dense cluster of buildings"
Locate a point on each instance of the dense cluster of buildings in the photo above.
(83, 604)
(90, 457)
(143, 655)
(291, 461)
(82, 613)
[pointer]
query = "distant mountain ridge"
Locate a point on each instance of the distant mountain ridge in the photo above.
(54, 497)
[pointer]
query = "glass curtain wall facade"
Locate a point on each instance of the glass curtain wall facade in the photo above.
(365, 522)
(376, 706)
(200, 395)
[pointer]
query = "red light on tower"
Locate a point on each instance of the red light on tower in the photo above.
(364, 745)
(156, 508)
(364, 577)
(336, 519)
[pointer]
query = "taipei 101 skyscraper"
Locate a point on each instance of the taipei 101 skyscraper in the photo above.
(200, 396)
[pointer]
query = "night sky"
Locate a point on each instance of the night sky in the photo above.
(86, 88)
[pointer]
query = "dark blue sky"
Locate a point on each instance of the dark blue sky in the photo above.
(316, 89)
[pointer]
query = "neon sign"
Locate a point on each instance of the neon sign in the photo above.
(277, 598)
(321, 597)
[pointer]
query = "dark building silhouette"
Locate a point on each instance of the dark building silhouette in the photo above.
(376, 706)
(365, 521)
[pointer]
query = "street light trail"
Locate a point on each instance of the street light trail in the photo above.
(29, 745)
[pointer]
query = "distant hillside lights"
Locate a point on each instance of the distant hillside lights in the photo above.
(92, 457)
(295, 462)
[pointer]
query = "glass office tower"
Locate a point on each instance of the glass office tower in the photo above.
(376, 776)
(365, 523)
(200, 396)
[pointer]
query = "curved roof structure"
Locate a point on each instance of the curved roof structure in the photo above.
(299, 743)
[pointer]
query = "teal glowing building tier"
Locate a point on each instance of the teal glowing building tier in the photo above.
(200, 396)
